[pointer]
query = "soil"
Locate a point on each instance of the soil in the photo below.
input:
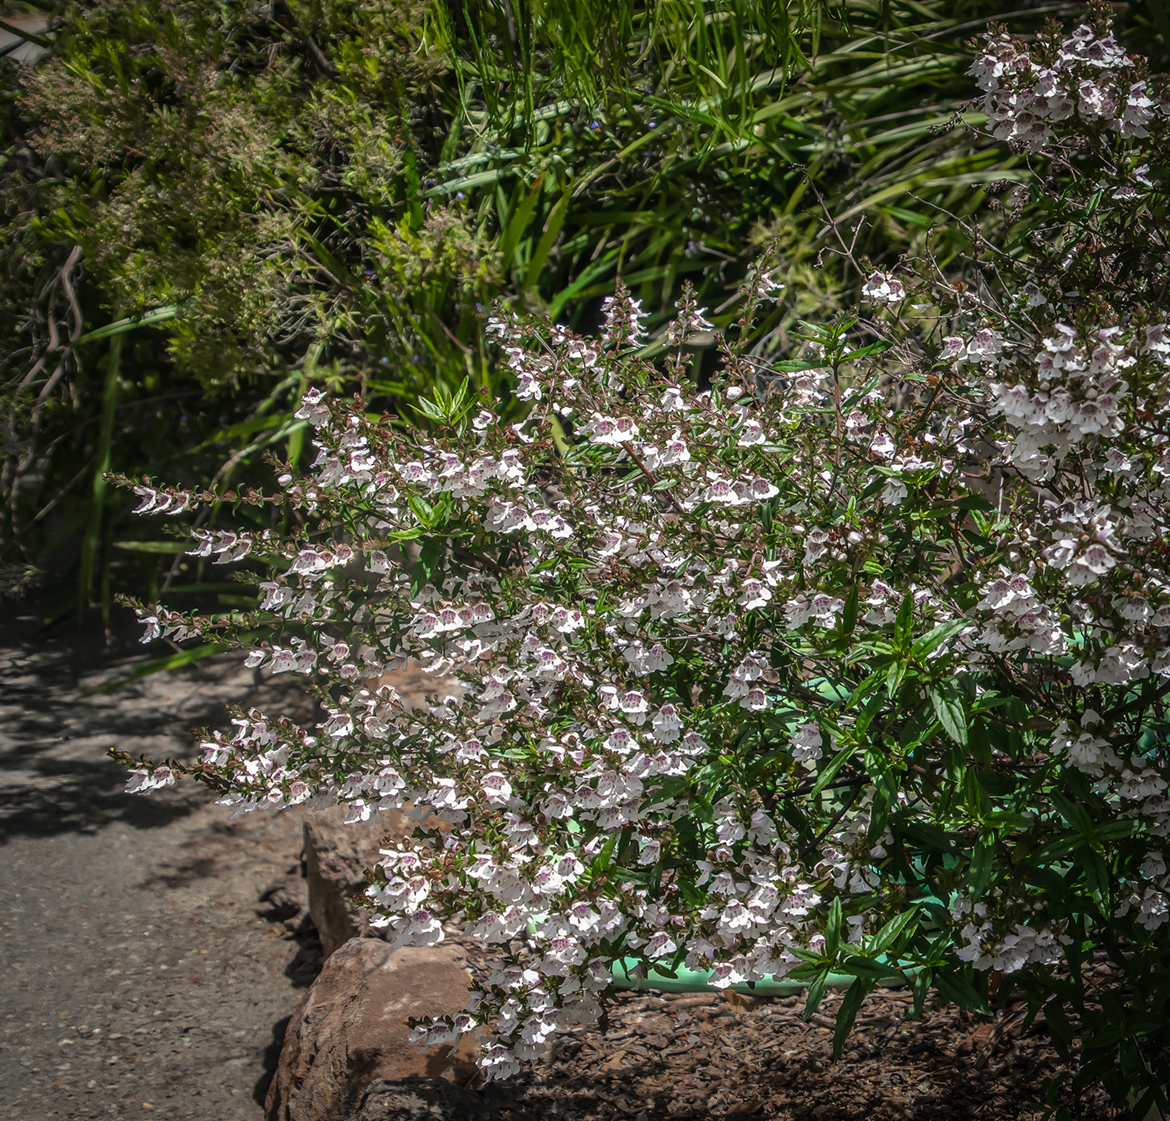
(144, 975)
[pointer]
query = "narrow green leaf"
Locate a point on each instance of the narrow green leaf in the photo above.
(795, 366)
(1117, 830)
(904, 620)
(1056, 849)
(894, 676)
(147, 319)
(928, 643)
(161, 665)
(1059, 1027)
(518, 222)
(865, 967)
(816, 992)
(879, 347)
(865, 690)
(1097, 879)
(847, 1014)
(552, 229)
(980, 867)
(91, 539)
(892, 930)
(978, 743)
(27, 36)
(920, 989)
(602, 861)
(849, 613)
(826, 776)
(948, 702)
(959, 991)
(833, 930)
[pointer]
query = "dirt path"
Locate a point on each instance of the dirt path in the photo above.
(141, 975)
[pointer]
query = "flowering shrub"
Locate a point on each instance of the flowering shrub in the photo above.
(853, 664)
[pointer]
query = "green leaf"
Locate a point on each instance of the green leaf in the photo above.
(879, 347)
(1074, 813)
(957, 990)
(979, 744)
(928, 643)
(1057, 848)
(866, 967)
(519, 220)
(1120, 829)
(91, 538)
(131, 323)
(816, 992)
(981, 860)
(552, 229)
(424, 512)
(161, 665)
(920, 988)
(826, 776)
(904, 621)
(864, 690)
(602, 861)
(947, 699)
(892, 930)
(847, 1014)
(1097, 879)
(152, 546)
(849, 613)
(833, 930)
(794, 366)
(1059, 1027)
(27, 36)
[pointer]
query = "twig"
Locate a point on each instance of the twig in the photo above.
(628, 448)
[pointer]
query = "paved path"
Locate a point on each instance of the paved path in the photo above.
(141, 976)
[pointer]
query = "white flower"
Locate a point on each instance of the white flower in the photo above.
(882, 288)
(754, 593)
(806, 743)
(666, 724)
(611, 430)
(893, 492)
(142, 781)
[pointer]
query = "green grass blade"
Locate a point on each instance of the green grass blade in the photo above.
(147, 319)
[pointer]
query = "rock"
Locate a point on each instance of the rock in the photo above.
(337, 856)
(350, 1030)
(431, 1099)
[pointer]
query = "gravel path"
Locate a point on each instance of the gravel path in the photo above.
(141, 974)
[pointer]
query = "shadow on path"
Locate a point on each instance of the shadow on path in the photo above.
(56, 732)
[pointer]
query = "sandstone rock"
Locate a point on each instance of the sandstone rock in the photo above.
(337, 856)
(431, 1099)
(350, 1030)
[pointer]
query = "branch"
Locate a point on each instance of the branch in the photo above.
(629, 450)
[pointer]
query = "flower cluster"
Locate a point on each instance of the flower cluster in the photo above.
(770, 682)
(1086, 75)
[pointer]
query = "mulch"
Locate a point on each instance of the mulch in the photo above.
(667, 1055)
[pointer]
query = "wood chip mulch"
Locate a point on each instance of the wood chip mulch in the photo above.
(726, 1055)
